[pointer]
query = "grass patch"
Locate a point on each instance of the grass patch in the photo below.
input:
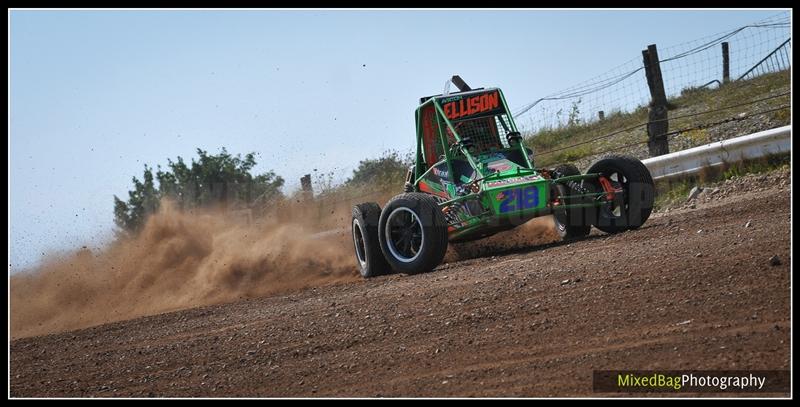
(572, 154)
(759, 166)
(671, 193)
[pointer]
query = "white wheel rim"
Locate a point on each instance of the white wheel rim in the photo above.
(361, 249)
(390, 241)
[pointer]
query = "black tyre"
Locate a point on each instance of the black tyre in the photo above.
(631, 208)
(570, 223)
(370, 259)
(413, 233)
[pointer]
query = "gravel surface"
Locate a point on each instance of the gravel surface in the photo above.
(735, 186)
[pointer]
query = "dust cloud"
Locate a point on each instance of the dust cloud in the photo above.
(537, 231)
(179, 260)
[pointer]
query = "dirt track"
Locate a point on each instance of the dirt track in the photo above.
(692, 289)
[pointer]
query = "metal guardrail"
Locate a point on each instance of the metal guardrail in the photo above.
(691, 161)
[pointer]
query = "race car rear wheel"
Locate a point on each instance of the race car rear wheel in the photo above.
(630, 208)
(413, 233)
(369, 256)
(570, 223)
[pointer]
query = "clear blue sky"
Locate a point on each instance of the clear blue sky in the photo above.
(97, 94)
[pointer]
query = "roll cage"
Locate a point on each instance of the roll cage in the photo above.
(465, 127)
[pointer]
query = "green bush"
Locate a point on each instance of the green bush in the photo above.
(220, 179)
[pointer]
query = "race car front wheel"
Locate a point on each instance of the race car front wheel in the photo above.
(370, 259)
(413, 233)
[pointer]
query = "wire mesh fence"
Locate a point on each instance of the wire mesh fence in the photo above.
(700, 62)
(776, 61)
(619, 90)
(752, 50)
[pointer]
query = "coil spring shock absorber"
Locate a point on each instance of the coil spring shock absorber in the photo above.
(575, 186)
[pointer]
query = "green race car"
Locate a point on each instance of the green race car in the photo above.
(473, 177)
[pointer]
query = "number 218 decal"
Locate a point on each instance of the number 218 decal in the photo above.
(519, 199)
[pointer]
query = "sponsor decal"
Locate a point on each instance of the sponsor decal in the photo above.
(514, 180)
(441, 173)
(478, 105)
(500, 166)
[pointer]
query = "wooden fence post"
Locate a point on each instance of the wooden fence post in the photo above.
(726, 64)
(658, 125)
(305, 184)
